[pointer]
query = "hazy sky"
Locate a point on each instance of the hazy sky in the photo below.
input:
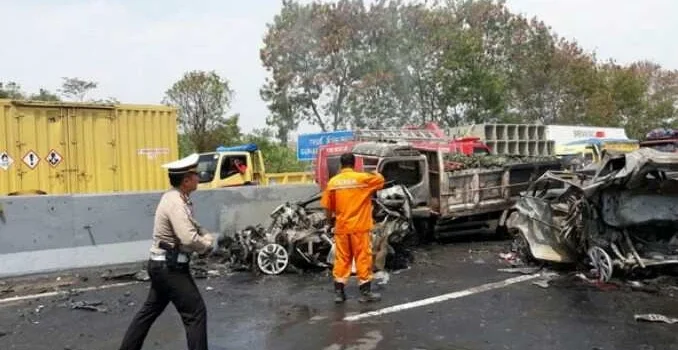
(137, 49)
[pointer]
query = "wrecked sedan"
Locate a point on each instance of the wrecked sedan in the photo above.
(299, 235)
(623, 217)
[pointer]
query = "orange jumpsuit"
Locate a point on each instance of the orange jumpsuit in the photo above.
(348, 195)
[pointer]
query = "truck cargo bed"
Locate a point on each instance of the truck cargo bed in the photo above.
(483, 190)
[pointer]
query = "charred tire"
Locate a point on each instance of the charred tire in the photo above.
(521, 247)
(272, 259)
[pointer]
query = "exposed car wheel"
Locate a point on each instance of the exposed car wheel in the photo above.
(601, 262)
(272, 259)
(521, 247)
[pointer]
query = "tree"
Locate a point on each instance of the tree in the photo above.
(448, 61)
(11, 90)
(44, 95)
(76, 88)
(202, 99)
(278, 157)
(284, 115)
(309, 50)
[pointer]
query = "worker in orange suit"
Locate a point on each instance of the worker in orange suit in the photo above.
(348, 199)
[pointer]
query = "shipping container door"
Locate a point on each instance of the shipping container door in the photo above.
(92, 160)
(36, 147)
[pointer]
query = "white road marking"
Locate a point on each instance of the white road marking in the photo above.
(437, 299)
(66, 292)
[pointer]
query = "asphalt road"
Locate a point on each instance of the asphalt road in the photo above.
(296, 312)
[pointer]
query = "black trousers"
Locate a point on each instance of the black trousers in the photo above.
(170, 285)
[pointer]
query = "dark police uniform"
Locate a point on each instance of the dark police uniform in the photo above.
(176, 235)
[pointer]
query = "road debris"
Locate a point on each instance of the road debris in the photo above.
(88, 306)
(136, 275)
(542, 283)
(521, 270)
(655, 318)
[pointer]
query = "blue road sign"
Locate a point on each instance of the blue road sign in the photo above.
(308, 144)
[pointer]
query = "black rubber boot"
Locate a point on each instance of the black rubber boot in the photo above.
(339, 295)
(366, 295)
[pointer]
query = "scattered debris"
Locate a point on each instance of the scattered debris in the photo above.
(89, 306)
(382, 277)
(521, 270)
(4, 288)
(136, 275)
(511, 258)
(655, 318)
(542, 283)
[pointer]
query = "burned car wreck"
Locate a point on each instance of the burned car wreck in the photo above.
(298, 234)
(621, 218)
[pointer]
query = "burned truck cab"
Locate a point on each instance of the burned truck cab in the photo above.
(399, 163)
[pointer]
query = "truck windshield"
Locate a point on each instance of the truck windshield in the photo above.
(207, 166)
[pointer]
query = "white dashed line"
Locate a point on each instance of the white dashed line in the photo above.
(66, 292)
(437, 299)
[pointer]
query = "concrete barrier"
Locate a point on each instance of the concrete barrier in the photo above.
(49, 233)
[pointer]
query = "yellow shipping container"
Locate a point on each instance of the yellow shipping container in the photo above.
(68, 148)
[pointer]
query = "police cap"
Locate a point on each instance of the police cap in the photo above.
(184, 165)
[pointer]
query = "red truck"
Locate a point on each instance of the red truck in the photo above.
(449, 198)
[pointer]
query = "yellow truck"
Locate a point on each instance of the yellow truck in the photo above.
(580, 153)
(241, 166)
(70, 148)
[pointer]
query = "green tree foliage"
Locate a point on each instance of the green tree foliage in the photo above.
(202, 99)
(13, 90)
(394, 63)
(278, 157)
(44, 95)
(76, 89)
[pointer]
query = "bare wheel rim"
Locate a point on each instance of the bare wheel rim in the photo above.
(601, 262)
(272, 259)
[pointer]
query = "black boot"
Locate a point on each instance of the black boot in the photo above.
(339, 295)
(366, 295)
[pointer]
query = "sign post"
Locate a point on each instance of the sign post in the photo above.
(308, 144)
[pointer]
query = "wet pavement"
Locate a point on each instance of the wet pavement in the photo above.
(296, 312)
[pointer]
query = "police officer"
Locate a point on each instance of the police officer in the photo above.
(176, 234)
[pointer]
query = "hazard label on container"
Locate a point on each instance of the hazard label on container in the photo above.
(54, 158)
(31, 159)
(5, 160)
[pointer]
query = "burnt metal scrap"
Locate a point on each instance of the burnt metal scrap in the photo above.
(299, 235)
(623, 217)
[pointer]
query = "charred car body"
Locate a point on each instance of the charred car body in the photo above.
(623, 217)
(298, 234)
